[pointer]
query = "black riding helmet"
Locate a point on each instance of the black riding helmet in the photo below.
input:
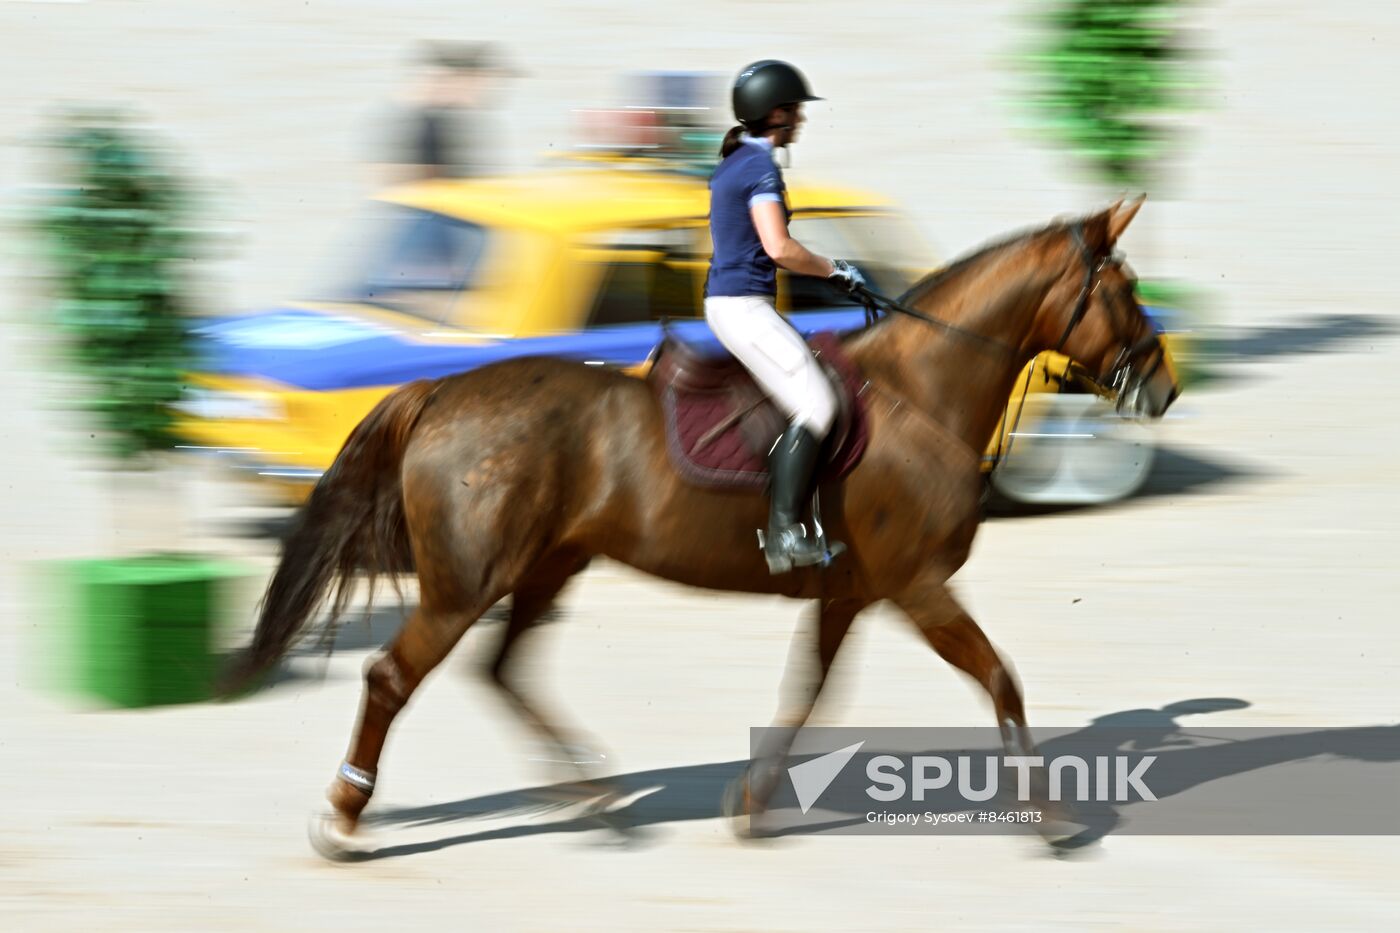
(764, 85)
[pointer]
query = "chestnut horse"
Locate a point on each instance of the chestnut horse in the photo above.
(508, 479)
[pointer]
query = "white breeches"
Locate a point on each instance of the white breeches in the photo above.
(777, 357)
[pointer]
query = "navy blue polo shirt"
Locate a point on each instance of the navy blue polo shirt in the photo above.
(738, 265)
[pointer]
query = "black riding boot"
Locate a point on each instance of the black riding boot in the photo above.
(788, 543)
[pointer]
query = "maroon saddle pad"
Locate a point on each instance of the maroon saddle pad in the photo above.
(720, 425)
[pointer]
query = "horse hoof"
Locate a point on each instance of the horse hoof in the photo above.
(1064, 836)
(618, 833)
(331, 841)
(737, 807)
(600, 812)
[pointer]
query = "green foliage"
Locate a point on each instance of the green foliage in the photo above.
(1108, 69)
(118, 237)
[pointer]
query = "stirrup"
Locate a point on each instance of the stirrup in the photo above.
(807, 553)
(821, 553)
(792, 550)
(830, 549)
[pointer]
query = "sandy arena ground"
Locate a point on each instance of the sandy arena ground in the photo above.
(1258, 565)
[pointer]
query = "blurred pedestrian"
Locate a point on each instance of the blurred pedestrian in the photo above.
(438, 132)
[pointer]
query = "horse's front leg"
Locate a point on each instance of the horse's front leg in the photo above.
(802, 685)
(960, 641)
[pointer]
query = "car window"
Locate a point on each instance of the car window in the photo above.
(645, 276)
(418, 262)
(876, 244)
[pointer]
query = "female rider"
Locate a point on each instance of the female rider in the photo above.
(749, 228)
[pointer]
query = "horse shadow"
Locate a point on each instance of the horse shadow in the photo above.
(1174, 472)
(358, 631)
(1220, 355)
(1319, 333)
(308, 660)
(658, 797)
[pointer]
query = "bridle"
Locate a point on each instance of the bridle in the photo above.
(1121, 376)
(1117, 379)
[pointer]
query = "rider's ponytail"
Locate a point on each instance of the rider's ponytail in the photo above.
(731, 142)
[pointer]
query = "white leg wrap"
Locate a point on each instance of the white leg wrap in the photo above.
(358, 778)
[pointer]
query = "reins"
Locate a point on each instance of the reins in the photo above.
(875, 302)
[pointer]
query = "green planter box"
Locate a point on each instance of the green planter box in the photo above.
(142, 631)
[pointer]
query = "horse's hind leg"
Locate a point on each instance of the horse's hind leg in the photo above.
(427, 636)
(531, 600)
(459, 578)
(529, 603)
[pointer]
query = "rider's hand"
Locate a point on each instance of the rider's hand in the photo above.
(846, 275)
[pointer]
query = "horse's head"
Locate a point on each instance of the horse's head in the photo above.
(1091, 314)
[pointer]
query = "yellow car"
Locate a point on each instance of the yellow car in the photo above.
(584, 260)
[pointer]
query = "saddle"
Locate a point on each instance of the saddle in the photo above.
(720, 425)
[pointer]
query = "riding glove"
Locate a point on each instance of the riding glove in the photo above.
(846, 275)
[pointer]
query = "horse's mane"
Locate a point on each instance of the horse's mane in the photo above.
(941, 277)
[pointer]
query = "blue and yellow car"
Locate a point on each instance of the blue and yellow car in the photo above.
(586, 261)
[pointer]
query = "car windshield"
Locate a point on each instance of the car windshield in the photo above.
(878, 244)
(416, 262)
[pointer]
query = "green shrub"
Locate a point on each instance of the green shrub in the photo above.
(1107, 72)
(118, 241)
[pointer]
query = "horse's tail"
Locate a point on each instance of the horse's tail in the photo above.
(354, 520)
